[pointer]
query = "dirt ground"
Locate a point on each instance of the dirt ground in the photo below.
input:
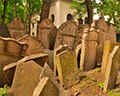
(91, 84)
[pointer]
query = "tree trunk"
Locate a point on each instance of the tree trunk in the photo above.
(4, 11)
(15, 9)
(29, 18)
(45, 9)
(89, 11)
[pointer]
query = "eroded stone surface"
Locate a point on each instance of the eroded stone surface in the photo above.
(26, 78)
(67, 68)
(44, 32)
(10, 51)
(16, 28)
(35, 47)
(4, 31)
(66, 34)
(40, 59)
(47, 72)
(112, 69)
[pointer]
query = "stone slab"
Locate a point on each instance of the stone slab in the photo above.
(46, 88)
(26, 78)
(67, 68)
(112, 69)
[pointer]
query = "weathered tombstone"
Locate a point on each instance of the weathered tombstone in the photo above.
(100, 54)
(51, 57)
(108, 47)
(67, 68)
(4, 31)
(103, 30)
(16, 28)
(45, 33)
(84, 45)
(90, 48)
(26, 78)
(9, 70)
(35, 46)
(10, 51)
(52, 33)
(58, 50)
(46, 88)
(66, 34)
(112, 33)
(47, 72)
(112, 69)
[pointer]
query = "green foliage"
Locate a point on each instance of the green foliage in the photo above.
(80, 69)
(22, 8)
(92, 73)
(84, 75)
(82, 86)
(4, 91)
(110, 8)
(98, 69)
(114, 92)
(101, 85)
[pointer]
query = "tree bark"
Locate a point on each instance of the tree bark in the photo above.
(29, 18)
(89, 11)
(15, 9)
(45, 9)
(4, 11)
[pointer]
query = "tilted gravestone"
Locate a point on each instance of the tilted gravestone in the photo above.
(35, 47)
(4, 31)
(52, 33)
(10, 51)
(67, 68)
(47, 33)
(46, 88)
(58, 50)
(108, 47)
(66, 34)
(16, 28)
(9, 70)
(112, 69)
(26, 78)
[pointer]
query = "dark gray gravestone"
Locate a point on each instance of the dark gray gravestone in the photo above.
(4, 31)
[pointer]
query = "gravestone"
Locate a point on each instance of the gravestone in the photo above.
(67, 68)
(66, 34)
(16, 28)
(89, 49)
(84, 46)
(112, 33)
(112, 69)
(4, 31)
(45, 33)
(108, 47)
(46, 88)
(52, 33)
(10, 51)
(26, 78)
(58, 50)
(47, 72)
(40, 59)
(35, 47)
